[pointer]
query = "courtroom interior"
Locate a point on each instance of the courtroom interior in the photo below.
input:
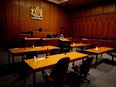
(72, 40)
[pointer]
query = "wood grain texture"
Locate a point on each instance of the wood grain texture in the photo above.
(18, 17)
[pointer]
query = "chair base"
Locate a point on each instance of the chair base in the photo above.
(86, 80)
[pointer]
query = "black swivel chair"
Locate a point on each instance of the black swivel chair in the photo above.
(30, 55)
(55, 51)
(58, 74)
(83, 69)
(48, 36)
(55, 35)
(81, 49)
(113, 54)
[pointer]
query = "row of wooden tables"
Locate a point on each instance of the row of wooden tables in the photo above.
(22, 51)
(46, 62)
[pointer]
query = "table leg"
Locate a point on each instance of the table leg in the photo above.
(96, 61)
(13, 59)
(34, 79)
(8, 57)
(112, 58)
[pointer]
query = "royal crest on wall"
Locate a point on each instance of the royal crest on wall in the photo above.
(36, 13)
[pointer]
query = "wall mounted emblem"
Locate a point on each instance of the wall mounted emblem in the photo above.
(36, 13)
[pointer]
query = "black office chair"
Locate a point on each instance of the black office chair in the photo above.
(113, 54)
(91, 46)
(29, 55)
(48, 36)
(55, 51)
(83, 69)
(58, 73)
(81, 49)
(87, 47)
(55, 35)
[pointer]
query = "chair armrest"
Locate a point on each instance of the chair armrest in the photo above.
(45, 73)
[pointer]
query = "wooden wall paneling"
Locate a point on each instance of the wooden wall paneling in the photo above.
(93, 31)
(114, 26)
(110, 28)
(107, 26)
(87, 27)
(109, 8)
(96, 27)
(18, 17)
(3, 32)
(77, 28)
(53, 42)
(99, 24)
(74, 32)
(90, 27)
(96, 10)
(81, 27)
(84, 27)
(104, 26)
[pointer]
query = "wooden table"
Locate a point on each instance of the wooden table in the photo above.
(78, 45)
(28, 42)
(45, 63)
(22, 51)
(99, 50)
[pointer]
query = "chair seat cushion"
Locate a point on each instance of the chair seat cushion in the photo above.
(50, 80)
(76, 68)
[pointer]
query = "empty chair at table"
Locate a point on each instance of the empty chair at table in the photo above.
(58, 74)
(83, 69)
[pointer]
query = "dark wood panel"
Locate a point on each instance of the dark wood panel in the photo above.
(18, 17)
(97, 24)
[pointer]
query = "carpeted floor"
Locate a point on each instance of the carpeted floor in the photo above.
(11, 75)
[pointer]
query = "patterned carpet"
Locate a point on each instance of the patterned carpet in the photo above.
(11, 75)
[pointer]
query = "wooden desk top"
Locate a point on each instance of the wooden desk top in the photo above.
(84, 39)
(64, 39)
(78, 45)
(99, 50)
(50, 38)
(32, 38)
(31, 49)
(43, 62)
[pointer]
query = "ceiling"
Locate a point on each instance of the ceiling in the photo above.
(76, 3)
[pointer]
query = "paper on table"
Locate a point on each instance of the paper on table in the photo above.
(41, 58)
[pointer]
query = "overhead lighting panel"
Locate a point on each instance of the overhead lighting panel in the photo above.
(57, 1)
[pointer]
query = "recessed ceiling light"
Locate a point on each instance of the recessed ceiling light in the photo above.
(57, 1)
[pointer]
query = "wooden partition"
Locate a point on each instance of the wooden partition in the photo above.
(20, 39)
(30, 42)
(97, 21)
(18, 18)
(37, 34)
(50, 41)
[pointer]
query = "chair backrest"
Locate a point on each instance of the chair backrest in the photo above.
(55, 51)
(85, 67)
(31, 55)
(55, 35)
(60, 69)
(112, 53)
(91, 46)
(48, 36)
